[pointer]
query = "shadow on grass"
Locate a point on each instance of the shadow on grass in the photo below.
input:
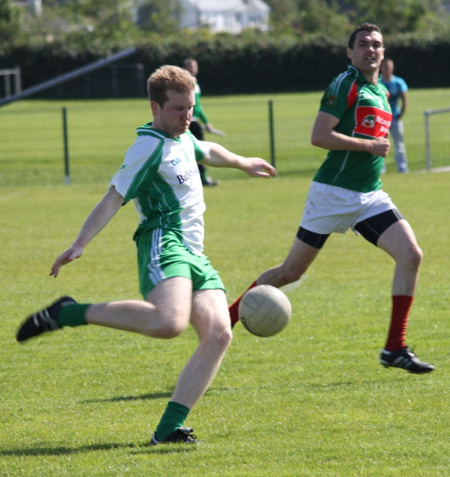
(143, 448)
(140, 397)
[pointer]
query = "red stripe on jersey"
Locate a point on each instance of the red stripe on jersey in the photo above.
(352, 95)
(372, 121)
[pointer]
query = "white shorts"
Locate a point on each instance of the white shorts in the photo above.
(331, 209)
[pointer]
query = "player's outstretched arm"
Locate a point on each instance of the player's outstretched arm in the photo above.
(99, 217)
(219, 156)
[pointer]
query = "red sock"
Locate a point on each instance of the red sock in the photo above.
(401, 304)
(234, 316)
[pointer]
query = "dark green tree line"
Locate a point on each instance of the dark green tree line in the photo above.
(127, 22)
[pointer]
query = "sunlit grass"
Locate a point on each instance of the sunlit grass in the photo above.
(312, 401)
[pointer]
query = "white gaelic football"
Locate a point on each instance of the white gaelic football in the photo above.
(264, 310)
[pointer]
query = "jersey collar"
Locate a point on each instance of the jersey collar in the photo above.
(358, 75)
(149, 129)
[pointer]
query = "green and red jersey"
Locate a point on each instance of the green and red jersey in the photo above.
(363, 111)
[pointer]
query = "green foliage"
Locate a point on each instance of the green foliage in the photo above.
(318, 16)
(9, 22)
(303, 51)
(158, 16)
(114, 20)
(302, 17)
(400, 16)
(80, 22)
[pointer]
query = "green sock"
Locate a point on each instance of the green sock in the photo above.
(73, 315)
(172, 419)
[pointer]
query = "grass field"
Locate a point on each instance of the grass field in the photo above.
(312, 401)
(99, 132)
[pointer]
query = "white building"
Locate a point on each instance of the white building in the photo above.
(35, 6)
(230, 16)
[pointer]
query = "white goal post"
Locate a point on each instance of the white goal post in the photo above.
(426, 115)
(6, 87)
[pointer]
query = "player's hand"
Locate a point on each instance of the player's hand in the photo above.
(380, 146)
(68, 256)
(257, 167)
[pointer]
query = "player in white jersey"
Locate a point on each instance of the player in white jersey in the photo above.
(178, 284)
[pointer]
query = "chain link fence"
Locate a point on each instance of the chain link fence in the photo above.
(84, 142)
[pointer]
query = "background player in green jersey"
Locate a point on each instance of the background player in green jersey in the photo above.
(352, 123)
(178, 283)
(199, 119)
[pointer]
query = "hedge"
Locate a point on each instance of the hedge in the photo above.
(232, 65)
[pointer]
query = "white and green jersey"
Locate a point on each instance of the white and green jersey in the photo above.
(160, 174)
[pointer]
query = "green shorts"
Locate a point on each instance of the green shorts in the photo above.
(161, 254)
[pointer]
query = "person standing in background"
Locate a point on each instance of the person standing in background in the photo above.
(397, 88)
(199, 119)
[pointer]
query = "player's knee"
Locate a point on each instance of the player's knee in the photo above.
(413, 256)
(167, 329)
(288, 275)
(172, 329)
(225, 336)
(220, 337)
(416, 256)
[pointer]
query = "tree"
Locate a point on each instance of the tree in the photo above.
(320, 15)
(9, 22)
(283, 14)
(336, 16)
(111, 19)
(159, 16)
(398, 16)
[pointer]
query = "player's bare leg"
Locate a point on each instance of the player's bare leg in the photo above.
(400, 243)
(294, 266)
(212, 324)
(165, 314)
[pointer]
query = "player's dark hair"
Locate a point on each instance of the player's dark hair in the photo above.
(362, 27)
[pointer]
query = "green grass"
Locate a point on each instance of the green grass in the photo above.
(312, 401)
(99, 132)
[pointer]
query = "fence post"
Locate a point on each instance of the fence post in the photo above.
(66, 146)
(426, 116)
(271, 134)
(18, 79)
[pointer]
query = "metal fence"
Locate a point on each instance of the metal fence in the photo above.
(76, 142)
